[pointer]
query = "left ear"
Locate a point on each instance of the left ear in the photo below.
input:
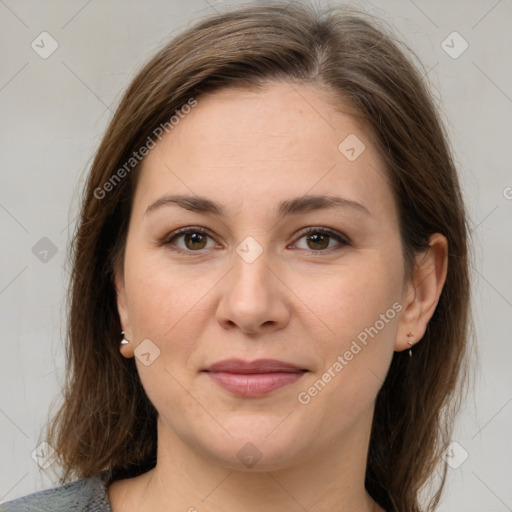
(421, 296)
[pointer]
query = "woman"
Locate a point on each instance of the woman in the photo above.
(274, 223)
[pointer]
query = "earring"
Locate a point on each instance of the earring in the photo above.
(410, 335)
(124, 341)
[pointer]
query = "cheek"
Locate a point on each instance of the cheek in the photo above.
(355, 297)
(167, 304)
(362, 307)
(165, 307)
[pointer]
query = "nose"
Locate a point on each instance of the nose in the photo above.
(253, 298)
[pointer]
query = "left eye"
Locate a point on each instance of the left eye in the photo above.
(319, 239)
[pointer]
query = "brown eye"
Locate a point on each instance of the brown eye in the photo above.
(188, 240)
(319, 239)
(194, 241)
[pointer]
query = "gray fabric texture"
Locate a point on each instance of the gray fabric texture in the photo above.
(85, 495)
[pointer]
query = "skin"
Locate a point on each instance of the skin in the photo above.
(298, 301)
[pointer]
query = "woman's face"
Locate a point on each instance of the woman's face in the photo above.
(269, 270)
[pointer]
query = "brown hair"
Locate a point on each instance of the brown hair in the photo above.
(106, 421)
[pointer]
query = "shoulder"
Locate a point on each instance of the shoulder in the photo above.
(85, 495)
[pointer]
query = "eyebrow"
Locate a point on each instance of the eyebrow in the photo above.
(294, 206)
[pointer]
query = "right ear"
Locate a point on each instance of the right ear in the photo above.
(124, 315)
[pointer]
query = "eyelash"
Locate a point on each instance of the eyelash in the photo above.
(167, 241)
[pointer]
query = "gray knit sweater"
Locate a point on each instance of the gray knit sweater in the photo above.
(85, 495)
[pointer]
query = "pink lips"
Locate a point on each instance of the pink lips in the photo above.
(253, 379)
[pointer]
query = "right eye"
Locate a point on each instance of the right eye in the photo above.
(194, 239)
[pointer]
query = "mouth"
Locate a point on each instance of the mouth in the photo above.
(253, 378)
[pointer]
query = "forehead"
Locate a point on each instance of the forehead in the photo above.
(284, 140)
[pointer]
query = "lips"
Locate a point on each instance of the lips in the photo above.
(258, 366)
(253, 378)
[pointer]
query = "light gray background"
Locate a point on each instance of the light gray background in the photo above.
(55, 110)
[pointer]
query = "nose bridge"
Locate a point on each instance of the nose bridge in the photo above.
(251, 284)
(252, 297)
(251, 261)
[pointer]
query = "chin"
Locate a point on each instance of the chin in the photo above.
(256, 449)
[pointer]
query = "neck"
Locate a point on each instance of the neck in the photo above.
(185, 479)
